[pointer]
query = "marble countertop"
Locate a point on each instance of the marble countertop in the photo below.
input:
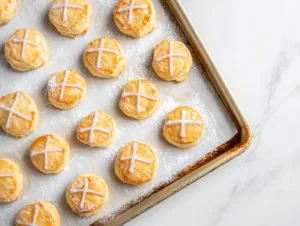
(256, 44)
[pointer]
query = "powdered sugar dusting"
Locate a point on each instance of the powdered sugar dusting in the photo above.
(104, 95)
(52, 83)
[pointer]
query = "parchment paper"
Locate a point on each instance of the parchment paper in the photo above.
(103, 94)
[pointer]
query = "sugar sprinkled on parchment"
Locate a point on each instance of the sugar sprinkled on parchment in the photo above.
(65, 53)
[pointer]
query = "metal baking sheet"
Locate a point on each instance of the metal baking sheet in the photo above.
(196, 91)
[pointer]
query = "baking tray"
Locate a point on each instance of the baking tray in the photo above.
(220, 155)
(204, 90)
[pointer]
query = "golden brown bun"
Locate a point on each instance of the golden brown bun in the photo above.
(73, 21)
(142, 169)
(94, 199)
(11, 181)
(187, 136)
(66, 89)
(57, 156)
(7, 10)
(26, 56)
(109, 63)
(103, 132)
(44, 212)
(148, 103)
(140, 22)
(23, 119)
(175, 68)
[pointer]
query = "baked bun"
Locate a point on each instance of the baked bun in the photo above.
(18, 114)
(70, 17)
(98, 129)
(26, 49)
(172, 61)
(135, 17)
(136, 163)
(66, 89)
(87, 194)
(105, 58)
(50, 153)
(183, 127)
(139, 99)
(7, 10)
(11, 181)
(38, 214)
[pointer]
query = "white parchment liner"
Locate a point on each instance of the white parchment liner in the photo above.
(102, 94)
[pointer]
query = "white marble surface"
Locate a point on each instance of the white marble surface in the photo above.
(257, 47)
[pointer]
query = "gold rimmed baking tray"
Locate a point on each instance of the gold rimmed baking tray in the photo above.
(220, 155)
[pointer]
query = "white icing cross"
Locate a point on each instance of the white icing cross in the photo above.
(35, 215)
(13, 112)
(138, 95)
(85, 190)
(24, 42)
(94, 128)
(100, 50)
(65, 7)
(134, 158)
(182, 122)
(63, 85)
(170, 56)
(7, 175)
(130, 8)
(45, 152)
